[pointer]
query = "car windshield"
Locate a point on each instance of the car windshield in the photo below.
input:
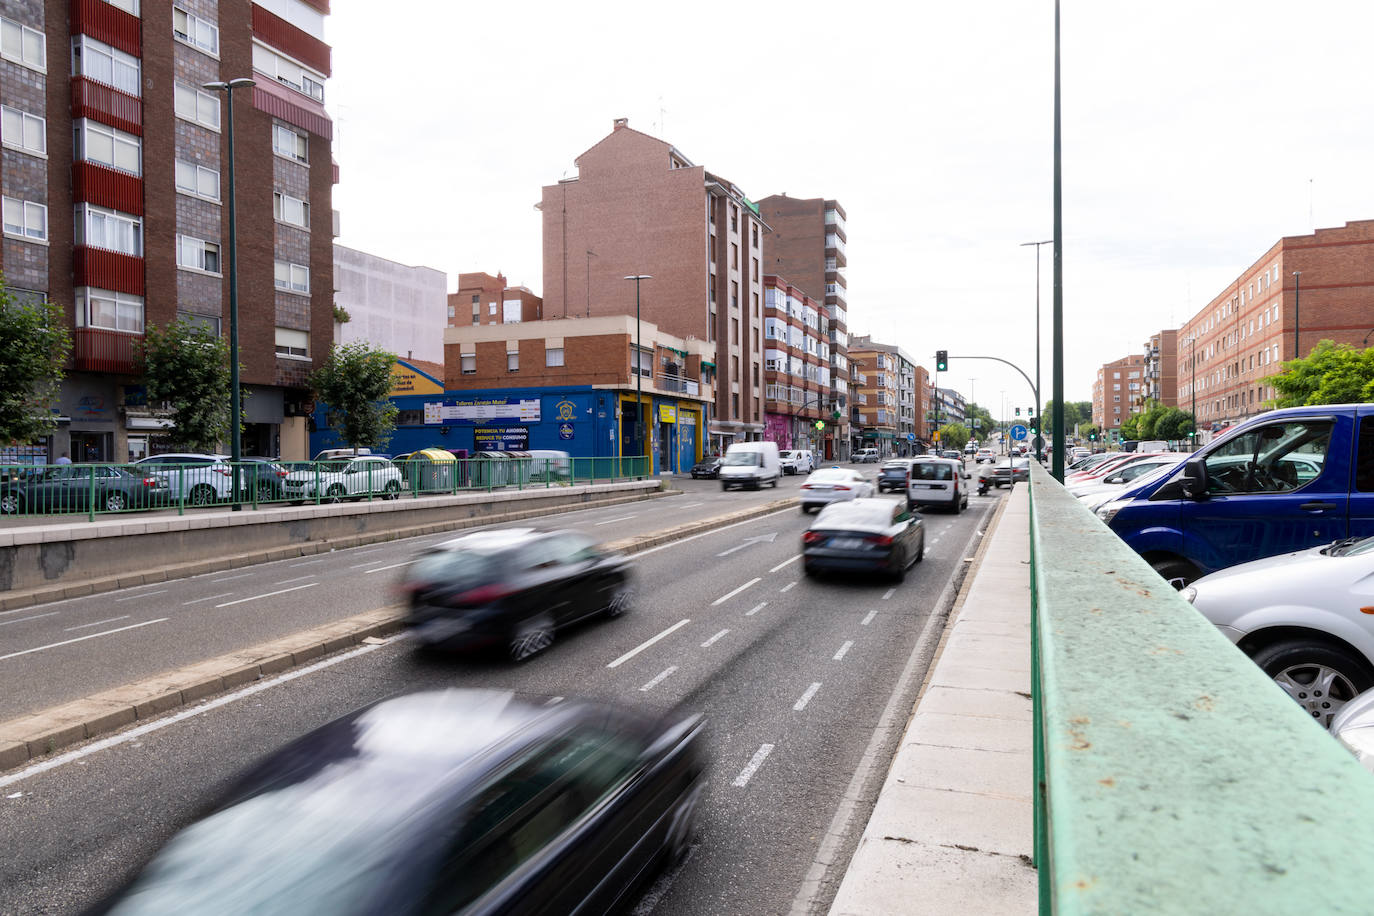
(743, 459)
(1355, 547)
(932, 470)
(455, 567)
(333, 466)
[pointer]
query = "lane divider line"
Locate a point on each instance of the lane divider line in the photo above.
(67, 642)
(869, 619)
(848, 644)
(785, 562)
(369, 572)
(368, 563)
(712, 641)
(612, 521)
(662, 676)
(649, 642)
(806, 697)
(297, 579)
(306, 562)
(889, 593)
(280, 591)
(96, 624)
(206, 598)
(232, 578)
(34, 617)
(757, 761)
(756, 608)
(788, 587)
(728, 595)
(140, 595)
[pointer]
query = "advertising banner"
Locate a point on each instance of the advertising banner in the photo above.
(472, 411)
(501, 438)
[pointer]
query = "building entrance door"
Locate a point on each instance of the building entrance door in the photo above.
(91, 447)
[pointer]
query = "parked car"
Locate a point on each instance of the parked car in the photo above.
(986, 455)
(470, 801)
(1353, 727)
(894, 475)
(937, 482)
(751, 465)
(829, 485)
(1122, 474)
(866, 456)
(708, 468)
(345, 478)
(194, 477)
(864, 535)
(797, 461)
(71, 487)
(1303, 617)
(1010, 471)
(263, 476)
(511, 589)
(331, 453)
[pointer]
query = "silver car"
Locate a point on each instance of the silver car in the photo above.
(831, 485)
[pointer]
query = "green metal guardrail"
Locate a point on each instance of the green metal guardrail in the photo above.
(1172, 775)
(104, 489)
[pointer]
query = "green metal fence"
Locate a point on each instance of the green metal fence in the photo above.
(105, 489)
(1172, 775)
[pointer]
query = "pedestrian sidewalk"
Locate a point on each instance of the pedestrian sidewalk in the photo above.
(952, 828)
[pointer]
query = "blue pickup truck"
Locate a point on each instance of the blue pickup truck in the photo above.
(1285, 480)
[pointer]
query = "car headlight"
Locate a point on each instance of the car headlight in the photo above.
(1189, 594)
(1360, 742)
(1108, 511)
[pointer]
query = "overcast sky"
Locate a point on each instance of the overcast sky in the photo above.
(1196, 134)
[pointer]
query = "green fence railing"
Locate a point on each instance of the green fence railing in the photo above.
(1171, 774)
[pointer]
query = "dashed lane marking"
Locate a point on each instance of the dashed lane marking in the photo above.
(67, 642)
(869, 619)
(728, 595)
(806, 697)
(889, 593)
(96, 624)
(141, 595)
(712, 641)
(34, 617)
(206, 598)
(649, 642)
(785, 562)
(788, 587)
(280, 591)
(752, 767)
(662, 676)
(756, 608)
(848, 644)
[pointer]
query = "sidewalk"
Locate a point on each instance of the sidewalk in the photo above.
(951, 831)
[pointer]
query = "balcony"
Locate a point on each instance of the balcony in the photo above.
(107, 105)
(99, 350)
(679, 384)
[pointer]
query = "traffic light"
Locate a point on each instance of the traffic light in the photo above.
(941, 360)
(1018, 411)
(1092, 437)
(1034, 425)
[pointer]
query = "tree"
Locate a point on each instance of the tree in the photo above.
(187, 365)
(355, 384)
(1130, 427)
(985, 425)
(34, 345)
(954, 435)
(1174, 424)
(1331, 374)
(1075, 414)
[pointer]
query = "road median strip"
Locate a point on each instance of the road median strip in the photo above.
(38, 734)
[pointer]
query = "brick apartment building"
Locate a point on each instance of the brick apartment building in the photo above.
(113, 179)
(1117, 388)
(484, 299)
(1161, 369)
(902, 412)
(796, 369)
(805, 243)
(1303, 289)
(638, 206)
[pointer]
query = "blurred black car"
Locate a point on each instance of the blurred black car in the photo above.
(864, 535)
(467, 801)
(263, 476)
(895, 475)
(72, 487)
(706, 467)
(511, 588)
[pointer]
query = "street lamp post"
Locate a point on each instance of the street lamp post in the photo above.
(639, 378)
(1297, 311)
(235, 420)
(1039, 443)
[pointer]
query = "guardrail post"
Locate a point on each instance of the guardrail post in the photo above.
(181, 490)
(90, 515)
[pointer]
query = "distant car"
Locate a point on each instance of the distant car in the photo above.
(345, 478)
(954, 455)
(511, 589)
(1010, 471)
(829, 485)
(894, 475)
(864, 535)
(264, 476)
(937, 482)
(708, 468)
(72, 487)
(472, 801)
(866, 456)
(986, 455)
(797, 461)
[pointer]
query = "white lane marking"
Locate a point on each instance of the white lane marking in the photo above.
(889, 593)
(96, 624)
(848, 644)
(368, 563)
(304, 563)
(728, 595)
(756, 608)
(788, 587)
(712, 641)
(34, 617)
(935, 540)
(691, 505)
(648, 642)
(232, 578)
(612, 521)
(297, 579)
(67, 642)
(136, 733)
(280, 591)
(759, 757)
(749, 542)
(554, 701)
(358, 553)
(662, 676)
(136, 587)
(206, 598)
(869, 619)
(140, 595)
(385, 568)
(785, 562)
(747, 521)
(806, 697)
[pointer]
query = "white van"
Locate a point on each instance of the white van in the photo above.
(750, 464)
(797, 461)
(1152, 445)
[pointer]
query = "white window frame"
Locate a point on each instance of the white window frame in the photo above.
(196, 105)
(550, 359)
(128, 6)
(127, 310)
(290, 144)
(194, 254)
(84, 131)
(292, 343)
(196, 180)
(126, 71)
(512, 360)
(23, 45)
(288, 72)
(284, 204)
(199, 33)
(111, 230)
(23, 131)
(25, 219)
(291, 278)
(468, 363)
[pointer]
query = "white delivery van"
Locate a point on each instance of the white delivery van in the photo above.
(750, 464)
(1152, 445)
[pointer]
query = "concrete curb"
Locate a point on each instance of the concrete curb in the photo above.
(39, 734)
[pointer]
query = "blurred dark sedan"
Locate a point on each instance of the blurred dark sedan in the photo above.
(707, 467)
(895, 475)
(467, 801)
(512, 588)
(864, 535)
(1011, 470)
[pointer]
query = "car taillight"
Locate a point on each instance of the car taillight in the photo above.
(806, 486)
(150, 481)
(281, 473)
(483, 594)
(882, 540)
(841, 487)
(812, 537)
(225, 471)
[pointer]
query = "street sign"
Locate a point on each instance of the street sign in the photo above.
(911, 437)
(1018, 432)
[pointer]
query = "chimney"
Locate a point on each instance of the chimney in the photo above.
(621, 122)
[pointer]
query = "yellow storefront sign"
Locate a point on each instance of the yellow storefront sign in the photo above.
(408, 380)
(667, 413)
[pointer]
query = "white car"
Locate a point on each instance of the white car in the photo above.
(199, 479)
(1303, 617)
(866, 456)
(345, 478)
(1117, 478)
(832, 485)
(797, 461)
(937, 482)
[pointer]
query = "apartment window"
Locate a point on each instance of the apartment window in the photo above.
(23, 45)
(101, 308)
(734, 406)
(288, 73)
(734, 256)
(734, 330)
(195, 31)
(756, 305)
(512, 360)
(291, 342)
(193, 104)
(290, 209)
(553, 356)
(97, 227)
(25, 219)
(104, 64)
(289, 143)
(295, 278)
(197, 254)
(108, 146)
(756, 270)
(128, 6)
(713, 287)
(734, 294)
(23, 131)
(755, 228)
(468, 363)
(642, 362)
(208, 322)
(197, 180)
(734, 227)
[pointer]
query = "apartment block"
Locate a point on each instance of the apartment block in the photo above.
(639, 207)
(1161, 369)
(396, 307)
(796, 369)
(484, 299)
(114, 180)
(898, 408)
(1117, 392)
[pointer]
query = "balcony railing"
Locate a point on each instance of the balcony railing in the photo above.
(678, 383)
(100, 350)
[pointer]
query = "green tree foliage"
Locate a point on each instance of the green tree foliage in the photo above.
(985, 424)
(1331, 374)
(34, 345)
(1130, 427)
(1076, 413)
(354, 384)
(187, 365)
(954, 435)
(1173, 425)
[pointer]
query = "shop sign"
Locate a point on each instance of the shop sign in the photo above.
(501, 438)
(565, 430)
(472, 411)
(667, 413)
(408, 380)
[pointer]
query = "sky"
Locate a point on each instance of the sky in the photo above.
(1195, 134)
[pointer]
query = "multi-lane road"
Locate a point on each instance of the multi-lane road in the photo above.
(805, 685)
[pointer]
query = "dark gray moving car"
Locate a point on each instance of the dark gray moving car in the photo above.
(864, 535)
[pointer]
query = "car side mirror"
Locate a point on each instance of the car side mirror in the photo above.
(1195, 479)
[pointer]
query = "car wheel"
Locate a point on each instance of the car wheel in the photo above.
(899, 573)
(116, 502)
(1178, 573)
(11, 504)
(1319, 676)
(724, 487)
(202, 495)
(534, 636)
(392, 490)
(621, 601)
(334, 494)
(264, 491)
(810, 571)
(682, 827)
(921, 551)
(957, 507)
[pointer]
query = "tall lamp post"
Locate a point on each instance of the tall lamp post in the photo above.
(1297, 311)
(235, 420)
(639, 356)
(1039, 444)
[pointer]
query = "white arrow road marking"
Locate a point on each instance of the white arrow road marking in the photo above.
(748, 542)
